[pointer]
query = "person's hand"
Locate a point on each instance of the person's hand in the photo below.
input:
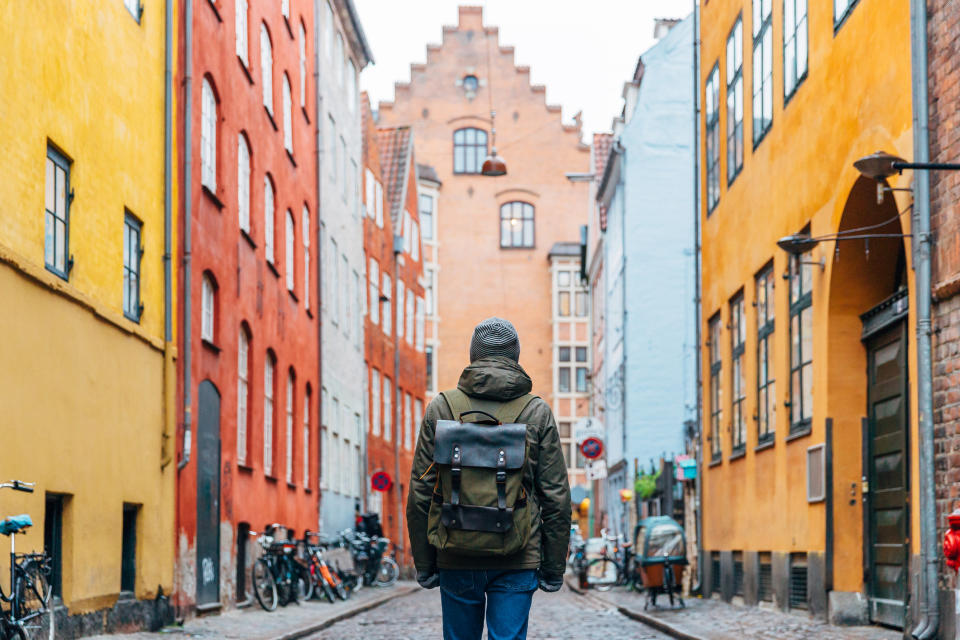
(428, 579)
(551, 582)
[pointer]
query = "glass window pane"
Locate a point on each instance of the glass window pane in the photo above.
(581, 354)
(802, 45)
(563, 354)
(807, 375)
(795, 397)
(806, 328)
(564, 380)
(581, 379)
(50, 186)
(794, 342)
(563, 278)
(564, 429)
(60, 248)
(564, 303)
(528, 233)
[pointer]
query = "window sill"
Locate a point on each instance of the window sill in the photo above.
(292, 161)
(209, 345)
(273, 268)
(286, 20)
(800, 432)
(308, 490)
(291, 485)
(306, 116)
(248, 238)
(270, 478)
(270, 116)
(131, 318)
(242, 466)
(512, 248)
(212, 196)
(788, 97)
(309, 312)
(738, 453)
(716, 461)
(246, 70)
(293, 295)
(763, 134)
(766, 444)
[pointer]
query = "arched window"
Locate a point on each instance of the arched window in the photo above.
(268, 217)
(243, 392)
(289, 245)
(266, 68)
(303, 66)
(208, 137)
(305, 234)
(516, 225)
(268, 394)
(306, 438)
(243, 183)
(241, 25)
(291, 377)
(208, 305)
(287, 116)
(469, 150)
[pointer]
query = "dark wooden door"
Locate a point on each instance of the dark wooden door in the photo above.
(887, 474)
(208, 494)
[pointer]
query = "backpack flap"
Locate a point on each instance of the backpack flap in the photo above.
(480, 444)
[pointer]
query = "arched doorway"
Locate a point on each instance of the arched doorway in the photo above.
(868, 397)
(208, 494)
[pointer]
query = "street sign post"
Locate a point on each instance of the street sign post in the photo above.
(381, 481)
(591, 448)
(596, 470)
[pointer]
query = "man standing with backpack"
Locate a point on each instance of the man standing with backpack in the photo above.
(488, 510)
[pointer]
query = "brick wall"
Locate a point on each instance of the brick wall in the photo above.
(943, 31)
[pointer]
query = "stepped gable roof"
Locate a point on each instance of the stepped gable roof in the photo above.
(396, 146)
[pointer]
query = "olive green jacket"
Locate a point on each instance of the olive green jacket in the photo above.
(498, 378)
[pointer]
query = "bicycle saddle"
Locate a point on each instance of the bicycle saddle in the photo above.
(15, 524)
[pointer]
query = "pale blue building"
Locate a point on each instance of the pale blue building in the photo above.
(647, 191)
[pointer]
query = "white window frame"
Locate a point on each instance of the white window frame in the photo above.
(269, 369)
(387, 409)
(334, 287)
(408, 421)
(345, 294)
(289, 434)
(243, 394)
(269, 218)
(305, 234)
(207, 308)
(287, 115)
(421, 321)
(379, 199)
(338, 55)
(290, 255)
(373, 274)
(401, 301)
(387, 310)
(303, 66)
(375, 402)
(411, 318)
(329, 27)
(243, 183)
(306, 438)
(243, 43)
(266, 68)
(208, 137)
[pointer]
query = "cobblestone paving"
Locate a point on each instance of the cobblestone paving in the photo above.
(717, 620)
(555, 616)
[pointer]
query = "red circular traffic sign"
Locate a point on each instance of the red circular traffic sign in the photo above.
(380, 481)
(591, 448)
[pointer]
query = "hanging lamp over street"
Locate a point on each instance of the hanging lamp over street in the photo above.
(493, 165)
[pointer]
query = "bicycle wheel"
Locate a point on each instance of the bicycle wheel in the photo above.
(602, 573)
(34, 587)
(304, 583)
(264, 585)
(388, 573)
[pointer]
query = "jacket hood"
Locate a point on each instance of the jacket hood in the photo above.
(495, 378)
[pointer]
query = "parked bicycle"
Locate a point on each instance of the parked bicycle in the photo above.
(373, 558)
(325, 579)
(30, 589)
(607, 569)
(278, 578)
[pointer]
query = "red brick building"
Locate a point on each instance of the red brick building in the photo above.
(944, 97)
(394, 330)
(249, 388)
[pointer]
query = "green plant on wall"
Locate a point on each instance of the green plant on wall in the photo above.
(646, 485)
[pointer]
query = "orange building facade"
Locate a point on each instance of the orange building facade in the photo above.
(492, 236)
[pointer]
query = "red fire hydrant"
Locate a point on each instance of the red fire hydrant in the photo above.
(951, 541)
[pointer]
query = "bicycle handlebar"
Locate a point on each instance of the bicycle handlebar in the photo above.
(19, 485)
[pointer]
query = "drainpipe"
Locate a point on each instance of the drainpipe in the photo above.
(169, 381)
(930, 608)
(187, 206)
(622, 151)
(318, 124)
(698, 311)
(398, 397)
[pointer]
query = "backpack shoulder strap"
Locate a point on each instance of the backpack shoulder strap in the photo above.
(458, 401)
(510, 411)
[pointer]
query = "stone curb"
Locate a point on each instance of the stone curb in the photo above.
(639, 616)
(302, 632)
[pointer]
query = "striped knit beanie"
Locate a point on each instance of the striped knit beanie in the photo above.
(495, 337)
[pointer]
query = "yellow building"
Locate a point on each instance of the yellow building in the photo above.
(86, 363)
(809, 362)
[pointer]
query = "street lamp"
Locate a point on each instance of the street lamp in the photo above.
(880, 165)
(493, 165)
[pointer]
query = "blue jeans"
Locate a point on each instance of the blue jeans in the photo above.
(506, 596)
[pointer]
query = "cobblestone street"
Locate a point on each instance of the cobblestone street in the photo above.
(559, 616)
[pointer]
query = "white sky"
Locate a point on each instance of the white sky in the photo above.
(583, 51)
